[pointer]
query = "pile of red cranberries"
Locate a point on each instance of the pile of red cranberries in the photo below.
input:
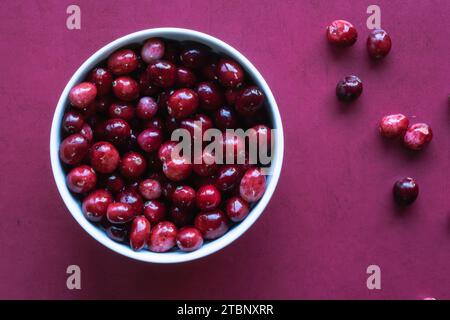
(117, 145)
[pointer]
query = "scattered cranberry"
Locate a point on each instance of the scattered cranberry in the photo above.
(418, 136)
(130, 196)
(150, 140)
(82, 95)
(183, 196)
(230, 73)
(94, 206)
(210, 96)
(249, 101)
(133, 165)
(212, 224)
(119, 213)
(72, 122)
(123, 62)
(146, 108)
(152, 50)
(393, 125)
(378, 44)
(117, 130)
(225, 118)
(81, 179)
(155, 211)
(253, 185)
(228, 177)
(185, 78)
(349, 88)
(208, 198)
(139, 233)
(237, 209)
(104, 157)
(122, 110)
(102, 79)
(150, 189)
(162, 73)
(182, 103)
(125, 88)
(163, 237)
(341, 33)
(189, 239)
(406, 191)
(73, 149)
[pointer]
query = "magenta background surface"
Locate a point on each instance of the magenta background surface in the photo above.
(332, 214)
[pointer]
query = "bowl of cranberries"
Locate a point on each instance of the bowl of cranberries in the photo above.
(166, 145)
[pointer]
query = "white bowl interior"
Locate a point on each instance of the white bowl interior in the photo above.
(73, 204)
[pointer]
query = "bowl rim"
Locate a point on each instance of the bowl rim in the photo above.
(73, 205)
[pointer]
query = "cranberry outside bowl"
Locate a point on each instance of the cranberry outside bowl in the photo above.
(74, 205)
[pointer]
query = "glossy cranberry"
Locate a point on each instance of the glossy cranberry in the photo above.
(185, 78)
(96, 203)
(81, 179)
(146, 108)
(150, 189)
(86, 131)
(378, 44)
(230, 73)
(155, 211)
(162, 73)
(237, 209)
(104, 157)
(253, 185)
(150, 140)
(139, 233)
(102, 78)
(130, 196)
(133, 165)
(341, 33)
(208, 198)
(72, 122)
(177, 169)
(125, 88)
(227, 177)
(212, 224)
(163, 237)
(182, 103)
(118, 233)
(349, 88)
(393, 125)
(117, 130)
(406, 191)
(73, 149)
(119, 213)
(183, 196)
(193, 56)
(210, 96)
(123, 61)
(83, 94)
(225, 118)
(114, 183)
(165, 151)
(249, 101)
(205, 166)
(189, 239)
(418, 136)
(181, 216)
(152, 50)
(146, 87)
(122, 110)
(154, 123)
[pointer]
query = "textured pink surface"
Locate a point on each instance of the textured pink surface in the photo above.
(332, 214)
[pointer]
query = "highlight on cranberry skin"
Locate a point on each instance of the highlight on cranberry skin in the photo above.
(189, 239)
(378, 44)
(163, 237)
(152, 50)
(405, 191)
(125, 88)
(418, 136)
(73, 149)
(393, 125)
(208, 198)
(150, 189)
(96, 203)
(253, 185)
(230, 73)
(237, 209)
(212, 224)
(119, 213)
(139, 233)
(81, 179)
(123, 62)
(349, 88)
(155, 211)
(341, 33)
(82, 95)
(104, 157)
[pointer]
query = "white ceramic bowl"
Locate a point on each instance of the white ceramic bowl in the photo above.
(74, 205)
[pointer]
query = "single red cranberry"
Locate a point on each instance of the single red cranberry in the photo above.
(114, 183)
(177, 169)
(406, 191)
(123, 61)
(125, 88)
(249, 101)
(378, 44)
(231, 95)
(165, 151)
(212, 224)
(150, 140)
(162, 73)
(146, 108)
(150, 189)
(253, 185)
(152, 50)
(81, 179)
(225, 118)
(208, 198)
(146, 87)
(96, 203)
(230, 73)
(155, 211)
(210, 95)
(130, 196)
(73, 149)
(118, 233)
(102, 78)
(182, 103)
(189, 239)
(119, 213)
(349, 88)
(86, 131)
(117, 130)
(154, 123)
(72, 122)
(341, 33)
(194, 56)
(237, 209)
(104, 157)
(139, 233)
(133, 165)
(227, 177)
(206, 166)
(418, 136)
(185, 78)
(181, 216)
(393, 125)
(82, 95)
(122, 110)
(162, 237)
(183, 196)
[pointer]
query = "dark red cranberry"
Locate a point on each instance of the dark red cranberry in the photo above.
(249, 101)
(123, 61)
(177, 169)
(418, 136)
(118, 233)
(150, 140)
(125, 88)
(146, 87)
(152, 50)
(122, 110)
(130, 196)
(185, 78)
(96, 203)
(210, 96)
(341, 33)
(208, 198)
(349, 88)
(237, 209)
(139, 233)
(117, 130)
(72, 122)
(104, 157)
(102, 78)
(181, 216)
(133, 165)
(182, 103)
(81, 179)
(393, 125)
(225, 118)
(183, 196)
(146, 108)
(73, 149)
(230, 73)
(212, 224)
(86, 131)
(155, 211)
(154, 123)
(205, 166)
(406, 191)
(82, 95)
(189, 239)
(114, 183)
(163, 236)
(194, 56)
(119, 213)
(227, 177)
(253, 185)
(165, 151)
(378, 44)
(150, 189)
(162, 73)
